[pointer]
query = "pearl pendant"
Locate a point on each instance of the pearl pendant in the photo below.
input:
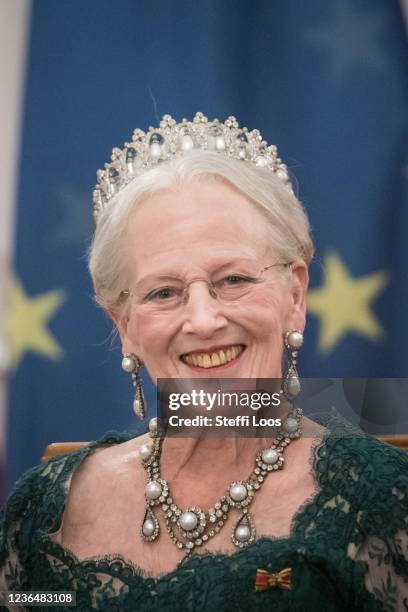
(292, 387)
(155, 150)
(242, 153)
(219, 143)
(244, 531)
(186, 143)
(130, 157)
(150, 527)
(137, 408)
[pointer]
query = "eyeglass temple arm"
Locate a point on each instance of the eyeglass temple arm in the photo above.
(286, 264)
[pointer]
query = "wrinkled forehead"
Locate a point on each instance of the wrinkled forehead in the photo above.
(200, 222)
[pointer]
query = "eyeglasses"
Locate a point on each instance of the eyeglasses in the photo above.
(228, 284)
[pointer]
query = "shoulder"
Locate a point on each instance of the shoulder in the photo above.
(347, 445)
(40, 492)
(37, 503)
(364, 452)
(32, 487)
(105, 474)
(371, 475)
(108, 459)
(31, 508)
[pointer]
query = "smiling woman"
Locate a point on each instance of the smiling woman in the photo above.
(200, 257)
(224, 298)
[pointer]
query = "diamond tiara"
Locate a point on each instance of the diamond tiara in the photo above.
(172, 139)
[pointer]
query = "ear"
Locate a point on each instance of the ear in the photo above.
(122, 323)
(299, 284)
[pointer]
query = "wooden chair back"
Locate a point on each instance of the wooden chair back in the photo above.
(60, 448)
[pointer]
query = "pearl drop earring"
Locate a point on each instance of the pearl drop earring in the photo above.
(291, 383)
(131, 364)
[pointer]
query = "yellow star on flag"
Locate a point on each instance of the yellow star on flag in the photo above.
(343, 304)
(26, 323)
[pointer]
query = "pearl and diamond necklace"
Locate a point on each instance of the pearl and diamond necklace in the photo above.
(193, 527)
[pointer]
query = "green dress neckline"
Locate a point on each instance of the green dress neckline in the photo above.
(114, 438)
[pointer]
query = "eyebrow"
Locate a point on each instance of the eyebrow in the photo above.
(218, 265)
(159, 278)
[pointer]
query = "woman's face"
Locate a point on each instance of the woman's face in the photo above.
(190, 233)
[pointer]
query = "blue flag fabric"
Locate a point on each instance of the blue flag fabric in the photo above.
(325, 81)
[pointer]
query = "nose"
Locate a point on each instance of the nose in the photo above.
(203, 314)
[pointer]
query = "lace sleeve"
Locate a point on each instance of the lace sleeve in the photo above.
(34, 507)
(14, 537)
(381, 538)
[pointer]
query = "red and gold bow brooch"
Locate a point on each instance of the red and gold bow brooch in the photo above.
(280, 580)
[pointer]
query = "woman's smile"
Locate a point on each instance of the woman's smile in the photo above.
(214, 357)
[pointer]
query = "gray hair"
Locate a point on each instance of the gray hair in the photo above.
(289, 225)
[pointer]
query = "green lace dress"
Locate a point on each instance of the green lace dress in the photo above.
(348, 546)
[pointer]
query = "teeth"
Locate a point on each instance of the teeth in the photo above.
(213, 360)
(207, 361)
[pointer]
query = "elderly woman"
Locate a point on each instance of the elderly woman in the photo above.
(201, 257)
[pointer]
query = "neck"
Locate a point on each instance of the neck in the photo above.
(199, 470)
(206, 455)
(200, 456)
